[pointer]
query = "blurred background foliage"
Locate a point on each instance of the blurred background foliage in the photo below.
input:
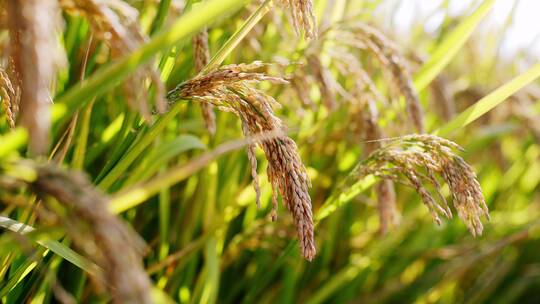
(208, 242)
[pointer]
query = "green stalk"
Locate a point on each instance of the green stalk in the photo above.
(139, 147)
(141, 193)
(235, 39)
(161, 15)
(164, 221)
(82, 139)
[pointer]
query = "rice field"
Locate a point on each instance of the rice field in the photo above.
(292, 151)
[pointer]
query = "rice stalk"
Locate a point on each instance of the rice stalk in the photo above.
(227, 88)
(368, 95)
(443, 96)
(418, 158)
(34, 56)
(365, 96)
(251, 38)
(201, 57)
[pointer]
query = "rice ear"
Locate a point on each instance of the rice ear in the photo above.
(361, 35)
(386, 196)
(443, 97)
(302, 16)
(367, 95)
(412, 156)
(228, 89)
(253, 163)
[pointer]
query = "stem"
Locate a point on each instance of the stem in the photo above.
(235, 39)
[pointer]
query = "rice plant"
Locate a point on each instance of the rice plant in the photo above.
(234, 151)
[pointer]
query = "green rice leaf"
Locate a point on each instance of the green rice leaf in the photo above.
(490, 101)
(449, 48)
(58, 248)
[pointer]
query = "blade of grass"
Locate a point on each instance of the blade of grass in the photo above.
(489, 102)
(121, 134)
(449, 48)
(139, 147)
(160, 16)
(140, 193)
(263, 281)
(235, 39)
(164, 221)
(343, 197)
(17, 276)
(211, 283)
(162, 154)
(338, 280)
(60, 249)
(82, 139)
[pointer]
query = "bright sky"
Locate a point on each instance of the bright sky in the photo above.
(524, 32)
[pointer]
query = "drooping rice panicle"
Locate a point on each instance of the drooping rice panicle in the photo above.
(443, 97)
(367, 96)
(361, 35)
(302, 16)
(386, 205)
(227, 88)
(418, 158)
(253, 163)
(300, 85)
